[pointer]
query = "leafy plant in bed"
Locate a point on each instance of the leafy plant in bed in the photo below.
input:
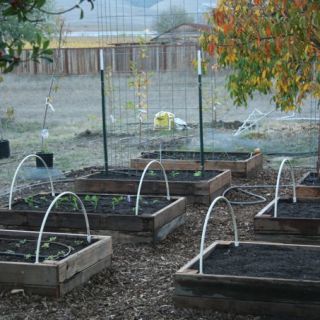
(63, 262)
(258, 278)
(199, 188)
(108, 214)
(52, 248)
(103, 203)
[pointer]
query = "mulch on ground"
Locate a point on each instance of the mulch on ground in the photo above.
(139, 285)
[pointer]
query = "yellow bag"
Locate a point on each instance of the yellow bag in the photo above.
(163, 120)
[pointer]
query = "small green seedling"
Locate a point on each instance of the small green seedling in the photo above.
(152, 173)
(197, 174)
(78, 242)
(173, 174)
(115, 201)
(46, 245)
(74, 203)
(155, 201)
(60, 202)
(23, 241)
(61, 253)
(29, 201)
(28, 256)
(56, 256)
(93, 200)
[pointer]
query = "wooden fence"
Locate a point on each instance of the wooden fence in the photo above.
(74, 61)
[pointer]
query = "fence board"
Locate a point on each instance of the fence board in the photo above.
(79, 61)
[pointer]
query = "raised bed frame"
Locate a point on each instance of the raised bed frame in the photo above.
(55, 278)
(305, 191)
(202, 192)
(239, 168)
(286, 229)
(247, 295)
(140, 228)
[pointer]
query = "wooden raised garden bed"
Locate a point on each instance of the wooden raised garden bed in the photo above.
(295, 222)
(308, 186)
(240, 163)
(197, 189)
(108, 214)
(66, 261)
(255, 278)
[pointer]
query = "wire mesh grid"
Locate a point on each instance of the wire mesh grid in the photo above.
(144, 69)
(150, 71)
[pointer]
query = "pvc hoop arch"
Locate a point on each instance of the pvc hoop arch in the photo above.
(276, 199)
(141, 180)
(16, 173)
(47, 214)
(235, 228)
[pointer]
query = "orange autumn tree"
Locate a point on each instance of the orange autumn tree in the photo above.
(271, 46)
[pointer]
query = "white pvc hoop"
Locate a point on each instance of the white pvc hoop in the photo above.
(16, 173)
(141, 180)
(47, 214)
(276, 199)
(235, 228)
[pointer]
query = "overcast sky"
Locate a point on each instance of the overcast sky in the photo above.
(119, 15)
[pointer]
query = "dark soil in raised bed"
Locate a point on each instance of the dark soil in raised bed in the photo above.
(298, 210)
(102, 204)
(193, 155)
(311, 180)
(153, 175)
(52, 248)
(265, 261)
(139, 284)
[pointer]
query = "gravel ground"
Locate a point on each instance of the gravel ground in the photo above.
(139, 285)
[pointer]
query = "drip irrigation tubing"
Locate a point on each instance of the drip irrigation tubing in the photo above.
(60, 254)
(241, 189)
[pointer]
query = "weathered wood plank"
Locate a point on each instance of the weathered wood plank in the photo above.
(162, 232)
(286, 229)
(83, 276)
(81, 260)
(242, 168)
(49, 277)
(104, 223)
(247, 295)
(169, 213)
(200, 191)
(305, 191)
(20, 273)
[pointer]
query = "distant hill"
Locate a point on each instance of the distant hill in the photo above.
(143, 3)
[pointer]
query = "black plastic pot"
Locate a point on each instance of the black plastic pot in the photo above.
(4, 149)
(47, 158)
